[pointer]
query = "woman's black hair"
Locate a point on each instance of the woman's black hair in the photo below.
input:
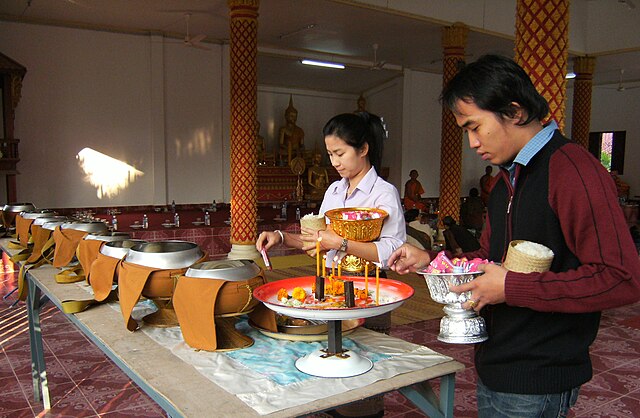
(357, 129)
(494, 83)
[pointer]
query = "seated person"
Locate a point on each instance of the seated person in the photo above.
(413, 192)
(458, 239)
(416, 235)
(291, 136)
(472, 211)
(621, 186)
(486, 184)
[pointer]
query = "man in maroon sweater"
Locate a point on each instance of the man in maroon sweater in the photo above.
(553, 192)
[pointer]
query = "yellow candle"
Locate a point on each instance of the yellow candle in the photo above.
(377, 285)
(333, 268)
(366, 278)
(339, 269)
(318, 256)
(324, 265)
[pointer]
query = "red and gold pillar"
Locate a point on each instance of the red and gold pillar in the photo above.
(454, 40)
(583, 67)
(542, 29)
(243, 46)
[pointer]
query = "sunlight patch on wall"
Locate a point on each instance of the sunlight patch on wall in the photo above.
(108, 175)
(199, 143)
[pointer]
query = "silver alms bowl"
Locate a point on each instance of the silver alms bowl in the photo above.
(458, 326)
(165, 254)
(119, 249)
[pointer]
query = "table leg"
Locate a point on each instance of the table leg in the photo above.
(38, 369)
(422, 396)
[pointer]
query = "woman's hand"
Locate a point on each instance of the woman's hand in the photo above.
(330, 240)
(268, 239)
(407, 259)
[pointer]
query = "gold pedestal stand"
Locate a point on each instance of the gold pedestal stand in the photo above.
(227, 336)
(164, 317)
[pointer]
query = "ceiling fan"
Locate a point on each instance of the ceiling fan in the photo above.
(376, 65)
(621, 87)
(193, 41)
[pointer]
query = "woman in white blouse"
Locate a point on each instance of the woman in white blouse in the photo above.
(354, 143)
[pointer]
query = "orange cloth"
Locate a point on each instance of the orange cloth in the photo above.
(22, 229)
(40, 238)
(104, 271)
(66, 244)
(264, 318)
(88, 250)
(194, 301)
(132, 279)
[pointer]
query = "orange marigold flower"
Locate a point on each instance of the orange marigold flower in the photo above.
(338, 288)
(361, 294)
(282, 294)
(299, 294)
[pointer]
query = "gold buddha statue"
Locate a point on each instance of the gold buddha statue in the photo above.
(291, 136)
(317, 178)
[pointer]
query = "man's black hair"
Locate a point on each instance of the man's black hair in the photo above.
(448, 221)
(411, 215)
(494, 83)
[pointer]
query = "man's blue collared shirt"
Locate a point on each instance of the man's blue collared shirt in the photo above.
(532, 147)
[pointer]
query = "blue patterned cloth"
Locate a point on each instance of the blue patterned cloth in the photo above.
(283, 372)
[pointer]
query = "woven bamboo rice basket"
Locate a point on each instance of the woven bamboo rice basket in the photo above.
(521, 262)
(317, 223)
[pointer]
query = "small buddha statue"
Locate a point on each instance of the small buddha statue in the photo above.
(291, 136)
(317, 178)
(260, 146)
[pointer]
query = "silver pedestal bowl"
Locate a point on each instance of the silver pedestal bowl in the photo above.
(459, 325)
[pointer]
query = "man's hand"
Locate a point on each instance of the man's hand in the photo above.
(487, 289)
(407, 259)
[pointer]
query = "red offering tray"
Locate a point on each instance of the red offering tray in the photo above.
(334, 361)
(393, 293)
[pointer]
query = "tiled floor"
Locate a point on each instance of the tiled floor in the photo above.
(84, 383)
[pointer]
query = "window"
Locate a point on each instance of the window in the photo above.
(608, 147)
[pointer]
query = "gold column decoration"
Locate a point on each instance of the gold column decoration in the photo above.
(583, 67)
(454, 40)
(243, 46)
(542, 29)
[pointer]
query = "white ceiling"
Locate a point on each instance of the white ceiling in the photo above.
(291, 29)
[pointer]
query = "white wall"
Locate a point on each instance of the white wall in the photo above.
(422, 123)
(154, 105)
(194, 134)
(386, 101)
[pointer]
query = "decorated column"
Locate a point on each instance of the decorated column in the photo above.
(454, 39)
(243, 46)
(583, 67)
(542, 29)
